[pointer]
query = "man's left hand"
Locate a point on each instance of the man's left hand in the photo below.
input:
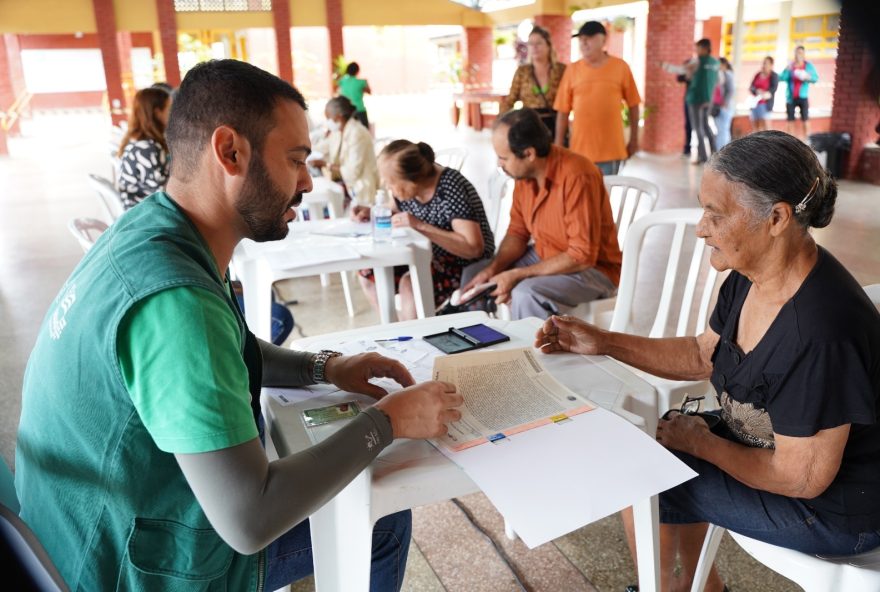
(686, 433)
(353, 373)
(505, 282)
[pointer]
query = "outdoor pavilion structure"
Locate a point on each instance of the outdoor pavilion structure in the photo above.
(116, 26)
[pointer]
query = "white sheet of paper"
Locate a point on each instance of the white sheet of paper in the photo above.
(345, 228)
(296, 257)
(554, 479)
(291, 396)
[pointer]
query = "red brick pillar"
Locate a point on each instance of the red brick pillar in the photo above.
(854, 111)
(478, 53)
(168, 40)
(7, 92)
(560, 32)
(670, 39)
(108, 41)
(334, 32)
(11, 51)
(281, 23)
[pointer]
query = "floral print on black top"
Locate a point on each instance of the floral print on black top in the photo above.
(143, 170)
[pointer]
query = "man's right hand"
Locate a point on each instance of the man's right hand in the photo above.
(569, 334)
(481, 278)
(360, 213)
(422, 410)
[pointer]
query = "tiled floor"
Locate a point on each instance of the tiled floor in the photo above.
(43, 185)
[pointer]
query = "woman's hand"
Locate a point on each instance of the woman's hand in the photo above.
(404, 220)
(686, 433)
(569, 334)
(360, 213)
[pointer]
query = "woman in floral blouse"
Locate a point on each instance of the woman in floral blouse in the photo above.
(535, 83)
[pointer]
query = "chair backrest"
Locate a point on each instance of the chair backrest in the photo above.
(631, 198)
(110, 198)
(499, 202)
(31, 568)
(86, 231)
(380, 143)
(873, 292)
(451, 157)
(699, 274)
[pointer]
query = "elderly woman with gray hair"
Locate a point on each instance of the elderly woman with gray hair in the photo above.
(348, 153)
(793, 351)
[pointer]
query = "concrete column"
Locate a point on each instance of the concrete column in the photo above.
(738, 31)
(334, 31)
(168, 40)
(108, 40)
(560, 32)
(784, 53)
(855, 110)
(281, 24)
(671, 39)
(478, 52)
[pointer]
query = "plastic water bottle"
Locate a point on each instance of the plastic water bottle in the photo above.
(380, 215)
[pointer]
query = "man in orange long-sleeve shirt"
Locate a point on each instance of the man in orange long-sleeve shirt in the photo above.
(560, 202)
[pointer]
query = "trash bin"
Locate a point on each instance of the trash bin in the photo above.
(831, 147)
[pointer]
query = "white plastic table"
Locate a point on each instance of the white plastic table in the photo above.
(257, 274)
(412, 473)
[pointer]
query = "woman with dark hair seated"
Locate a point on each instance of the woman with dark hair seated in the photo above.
(144, 161)
(438, 202)
(793, 351)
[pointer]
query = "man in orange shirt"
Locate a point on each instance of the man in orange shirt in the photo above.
(560, 202)
(595, 88)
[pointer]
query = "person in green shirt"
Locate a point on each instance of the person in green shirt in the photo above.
(353, 88)
(139, 460)
(703, 76)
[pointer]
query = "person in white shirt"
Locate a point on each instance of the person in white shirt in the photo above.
(349, 155)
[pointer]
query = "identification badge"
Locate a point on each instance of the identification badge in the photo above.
(322, 415)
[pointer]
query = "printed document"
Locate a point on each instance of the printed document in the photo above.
(505, 392)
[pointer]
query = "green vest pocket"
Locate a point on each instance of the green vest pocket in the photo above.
(168, 548)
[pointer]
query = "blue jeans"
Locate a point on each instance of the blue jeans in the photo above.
(716, 497)
(289, 558)
(722, 122)
(609, 167)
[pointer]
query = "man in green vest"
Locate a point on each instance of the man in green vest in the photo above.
(139, 462)
(703, 73)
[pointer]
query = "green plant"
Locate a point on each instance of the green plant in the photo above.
(339, 66)
(644, 114)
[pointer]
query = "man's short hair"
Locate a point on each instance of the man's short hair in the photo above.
(223, 92)
(525, 130)
(705, 44)
(352, 69)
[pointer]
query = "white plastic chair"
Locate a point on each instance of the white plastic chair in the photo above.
(380, 143)
(630, 198)
(86, 231)
(451, 157)
(110, 198)
(682, 290)
(813, 573)
(499, 202)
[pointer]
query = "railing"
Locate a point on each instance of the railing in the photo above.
(11, 115)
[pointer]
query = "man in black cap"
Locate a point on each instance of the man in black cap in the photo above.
(594, 88)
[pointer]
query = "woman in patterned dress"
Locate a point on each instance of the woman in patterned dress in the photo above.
(793, 353)
(143, 153)
(438, 202)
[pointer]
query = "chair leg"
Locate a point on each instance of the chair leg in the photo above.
(707, 557)
(508, 530)
(346, 289)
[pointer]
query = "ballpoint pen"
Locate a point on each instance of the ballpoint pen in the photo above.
(401, 338)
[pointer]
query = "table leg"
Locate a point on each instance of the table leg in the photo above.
(256, 281)
(646, 518)
(422, 282)
(384, 277)
(342, 539)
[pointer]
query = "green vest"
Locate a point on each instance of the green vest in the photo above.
(703, 82)
(113, 511)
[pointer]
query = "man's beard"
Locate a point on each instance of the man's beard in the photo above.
(259, 204)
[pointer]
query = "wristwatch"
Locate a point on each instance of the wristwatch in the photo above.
(319, 364)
